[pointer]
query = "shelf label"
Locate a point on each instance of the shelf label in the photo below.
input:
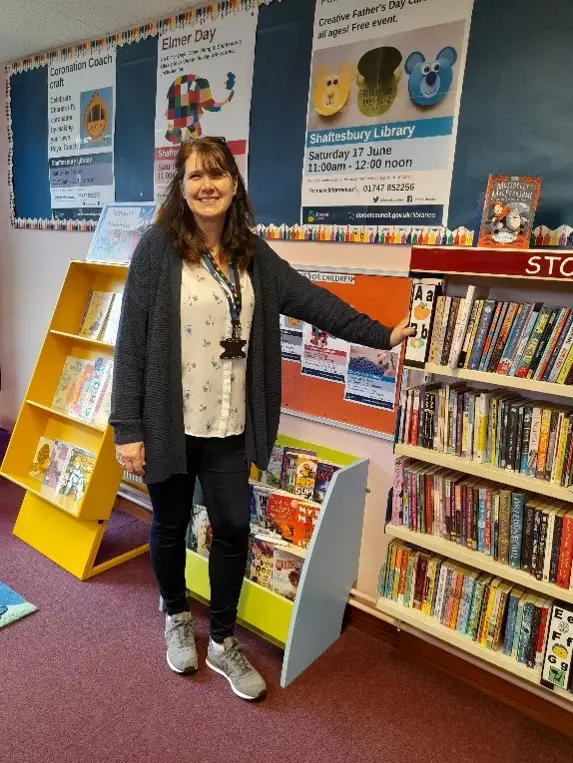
(511, 263)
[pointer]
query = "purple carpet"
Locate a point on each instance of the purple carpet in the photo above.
(85, 681)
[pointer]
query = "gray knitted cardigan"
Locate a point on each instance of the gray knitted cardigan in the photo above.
(147, 396)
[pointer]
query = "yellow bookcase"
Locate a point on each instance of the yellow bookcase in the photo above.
(67, 532)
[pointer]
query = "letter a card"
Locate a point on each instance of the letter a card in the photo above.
(425, 292)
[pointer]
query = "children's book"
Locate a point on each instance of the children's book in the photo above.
(110, 329)
(75, 475)
(119, 231)
(324, 474)
(58, 461)
(69, 383)
(42, 458)
(272, 477)
(508, 211)
(96, 313)
(287, 569)
(262, 552)
(422, 308)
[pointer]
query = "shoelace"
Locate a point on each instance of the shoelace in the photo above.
(184, 633)
(236, 656)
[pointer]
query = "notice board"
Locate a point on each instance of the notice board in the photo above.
(346, 385)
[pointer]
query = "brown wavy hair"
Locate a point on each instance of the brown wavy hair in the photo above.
(174, 214)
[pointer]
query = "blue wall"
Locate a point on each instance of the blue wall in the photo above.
(514, 117)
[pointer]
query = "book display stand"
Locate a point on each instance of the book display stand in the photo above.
(66, 531)
(526, 276)
(307, 626)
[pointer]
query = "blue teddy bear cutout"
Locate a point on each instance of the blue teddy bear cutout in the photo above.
(429, 81)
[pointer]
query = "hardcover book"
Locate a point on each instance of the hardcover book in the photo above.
(508, 211)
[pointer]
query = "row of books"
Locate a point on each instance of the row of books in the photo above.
(101, 316)
(299, 472)
(272, 562)
(63, 469)
(491, 427)
(84, 389)
(514, 527)
(492, 612)
(529, 340)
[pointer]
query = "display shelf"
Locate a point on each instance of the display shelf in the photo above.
(67, 532)
(434, 628)
(478, 561)
(306, 627)
(499, 380)
(260, 609)
(486, 471)
(63, 415)
(82, 339)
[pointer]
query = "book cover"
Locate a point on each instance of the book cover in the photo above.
(435, 343)
(509, 208)
(544, 338)
(287, 569)
(262, 553)
(60, 454)
(42, 458)
(95, 315)
(493, 334)
(324, 473)
(272, 477)
(508, 352)
(536, 334)
(69, 383)
(119, 230)
(305, 476)
(422, 309)
(525, 337)
(110, 329)
(74, 479)
(290, 466)
(481, 334)
(559, 647)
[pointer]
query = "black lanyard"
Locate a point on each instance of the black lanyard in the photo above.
(232, 292)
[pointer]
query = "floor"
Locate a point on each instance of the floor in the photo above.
(84, 680)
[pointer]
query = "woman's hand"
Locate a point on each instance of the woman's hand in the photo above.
(132, 457)
(401, 332)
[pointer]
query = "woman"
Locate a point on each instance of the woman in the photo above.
(197, 384)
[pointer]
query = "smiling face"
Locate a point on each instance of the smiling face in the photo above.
(208, 190)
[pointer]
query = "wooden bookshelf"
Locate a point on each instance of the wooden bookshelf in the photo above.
(486, 472)
(477, 560)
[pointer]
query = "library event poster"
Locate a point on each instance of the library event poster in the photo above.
(81, 119)
(345, 383)
(385, 88)
(204, 84)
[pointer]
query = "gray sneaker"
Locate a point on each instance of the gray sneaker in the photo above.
(180, 640)
(245, 681)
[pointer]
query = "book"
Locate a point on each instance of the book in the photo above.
(262, 554)
(556, 668)
(421, 314)
(508, 211)
(75, 475)
(42, 458)
(111, 327)
(325, 471)
(96, 313)
(119, 230)
(287, 569)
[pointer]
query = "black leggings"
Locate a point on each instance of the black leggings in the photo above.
(222, 469)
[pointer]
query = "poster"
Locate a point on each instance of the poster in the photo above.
(371, 376)
(81, 123)
(319, 379)
(204, 83)
(386, 81)
(323, 355)
(119, 230)
(291, 338)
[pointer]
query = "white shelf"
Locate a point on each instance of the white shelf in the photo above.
(434, 628)
(486, 472)
(499, 380)
(478, 560)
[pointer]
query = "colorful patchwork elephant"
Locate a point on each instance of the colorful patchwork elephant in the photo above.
(187, 98)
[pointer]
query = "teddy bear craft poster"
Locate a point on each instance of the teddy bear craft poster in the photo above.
(384, 94)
